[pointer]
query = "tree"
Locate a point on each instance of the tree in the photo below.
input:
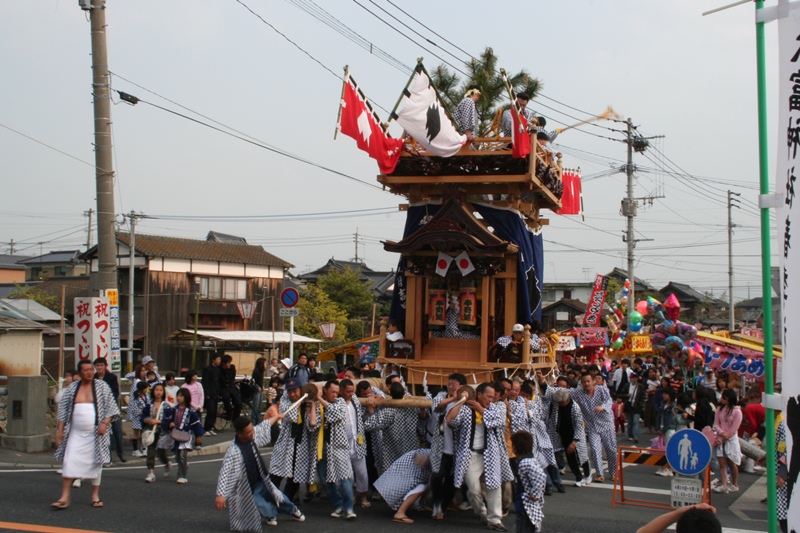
(38, 295)
(483, 72)
(346, 289)
(316, 308)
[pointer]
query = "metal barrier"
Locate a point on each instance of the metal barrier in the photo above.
(3, 403)
(648, 457)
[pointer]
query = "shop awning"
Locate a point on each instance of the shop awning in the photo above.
(741, 357)
(258, 337)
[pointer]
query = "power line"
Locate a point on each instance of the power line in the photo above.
(432, 31)
(290, 216)
(255, 143)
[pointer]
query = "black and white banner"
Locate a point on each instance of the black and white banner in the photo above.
(788, 221)
(424, 117)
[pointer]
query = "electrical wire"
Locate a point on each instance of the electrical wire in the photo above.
(290, 216)
(264, 146)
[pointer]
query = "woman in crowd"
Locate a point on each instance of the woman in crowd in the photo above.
(651, 384)
(726, 425)
(183, 423)
(258, 396)
(151, 416)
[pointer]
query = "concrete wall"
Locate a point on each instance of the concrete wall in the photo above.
(12, 276)
(20, 353)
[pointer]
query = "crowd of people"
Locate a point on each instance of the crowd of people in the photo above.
(507, 444)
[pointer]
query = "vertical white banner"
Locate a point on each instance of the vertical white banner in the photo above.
(82, 313)
(115, 359)
(788, 220)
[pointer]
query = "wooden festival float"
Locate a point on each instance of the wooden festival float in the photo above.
(471, 255)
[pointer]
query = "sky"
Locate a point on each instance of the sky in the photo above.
(686, 79)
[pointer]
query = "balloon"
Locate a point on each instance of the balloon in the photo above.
(627, 284)
(672, 307)
(657, 339)
(642, 307)
(673, 345)
(617, 344)
(635, 317)
(635, 327)
(623, 300)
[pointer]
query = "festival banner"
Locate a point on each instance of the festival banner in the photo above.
(571, 202)
(92, 329)
(595, 307)
(566, 343)
(592, 337)
(788, 168)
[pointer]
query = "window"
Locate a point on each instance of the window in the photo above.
(222, 288)
(60, 271)
(548, 295)
(568, 294)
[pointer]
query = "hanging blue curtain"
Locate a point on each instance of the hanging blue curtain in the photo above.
(510, 226)
(416, 217)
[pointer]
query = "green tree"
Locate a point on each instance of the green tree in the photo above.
(346, 289)
(484, 73)
(316, 308)
(38, 295)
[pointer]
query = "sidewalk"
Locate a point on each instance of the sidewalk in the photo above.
(44, 460)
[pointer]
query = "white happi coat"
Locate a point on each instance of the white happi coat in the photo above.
(339, 467)
(399, 426)
(234, 486)
(577, 426)
(495, 455)
(105, 407)
(360, 448)
(437, 439)
(595, 422)
(535, 417)
(303, 469)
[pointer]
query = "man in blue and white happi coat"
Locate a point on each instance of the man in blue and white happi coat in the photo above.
(481, 450)
(595, 404)
(537, 417)
(443, 445)
(294, 456)
(399, 425)
(334, 468)
(244, 486)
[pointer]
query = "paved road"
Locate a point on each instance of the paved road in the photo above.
(132, 506)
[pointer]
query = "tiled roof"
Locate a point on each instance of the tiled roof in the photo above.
(11, 262)
(68, 256)
(179, 248)
(8, 322)
(575, 304)
(684, 289)
(30, 309)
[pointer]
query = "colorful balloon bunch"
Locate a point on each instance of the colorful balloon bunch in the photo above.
(670, 333)
(618, 335)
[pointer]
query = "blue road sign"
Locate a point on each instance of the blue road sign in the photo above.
(289, 297)
(688, 452)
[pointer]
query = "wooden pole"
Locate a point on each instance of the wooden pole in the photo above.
(372, 328)
(405, 89)
(339, 116)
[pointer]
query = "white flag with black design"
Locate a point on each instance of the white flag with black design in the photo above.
(425, 118)
(464, 263)
(443, 264)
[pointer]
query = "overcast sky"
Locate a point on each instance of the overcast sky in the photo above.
(675, 73)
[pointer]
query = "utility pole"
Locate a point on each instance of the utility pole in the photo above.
(629, 211)
(636, 143)
(731, 315)
(356, 241)
(131, 285)
(103, 160)
(11, 244)
(89, 214)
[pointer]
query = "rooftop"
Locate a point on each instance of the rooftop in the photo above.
(59, 257)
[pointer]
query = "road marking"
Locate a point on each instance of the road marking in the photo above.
(726, 530)
(43, 529)
(628, 488)
(110, 469)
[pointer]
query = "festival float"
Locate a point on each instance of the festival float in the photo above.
(471, 255)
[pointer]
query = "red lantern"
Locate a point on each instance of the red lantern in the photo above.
(468, 306)
(437, 307)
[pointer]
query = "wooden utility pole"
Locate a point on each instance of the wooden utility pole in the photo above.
(731, 312)
(106, 277)
(89, 214)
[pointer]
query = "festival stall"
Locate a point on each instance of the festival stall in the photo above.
(744, 358)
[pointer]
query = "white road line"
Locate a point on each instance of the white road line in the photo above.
(628, 488)
(726, 530)
(106, 470)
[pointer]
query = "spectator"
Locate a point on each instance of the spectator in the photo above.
(727, 420)
(170, 388)
(393, 332)
(299, 370)
(700, 517)
(274, 367)
(212, 378)
(195, 389)
(229, 393)
(258, 396)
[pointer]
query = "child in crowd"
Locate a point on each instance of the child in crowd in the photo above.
(530, 484)
(171, 389)
(619, 415)
(135, 409)
(183, 424)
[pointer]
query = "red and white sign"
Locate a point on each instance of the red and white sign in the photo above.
(595, 307)
(592, 336)
(247, 310)
(92, 329)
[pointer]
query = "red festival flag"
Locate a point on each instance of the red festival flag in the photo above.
(360, 123)
(595, 306)
(571, 197)
(520, 138)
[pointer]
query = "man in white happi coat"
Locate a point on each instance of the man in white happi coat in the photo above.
(481, 450)
(595, 404)
(356, 438)
(334, 468)
(244, 486)
(85, 412)
(294, 456)
(399, 425)
(443, 445)
(536, 416)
